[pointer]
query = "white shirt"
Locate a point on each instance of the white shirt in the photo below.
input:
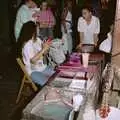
(29, 50)
(68, 23)
(89, 30)
(24, 15)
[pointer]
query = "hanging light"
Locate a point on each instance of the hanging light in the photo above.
(104, 3)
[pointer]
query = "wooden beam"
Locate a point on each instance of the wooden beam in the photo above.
(116, 37)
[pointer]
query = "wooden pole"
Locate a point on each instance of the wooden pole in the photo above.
(116, 37)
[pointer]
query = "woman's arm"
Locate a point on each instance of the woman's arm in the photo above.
(81, 34)
(81, 37)
(80, 28)
(40, 54)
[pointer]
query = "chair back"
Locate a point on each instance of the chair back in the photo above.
(22, 66)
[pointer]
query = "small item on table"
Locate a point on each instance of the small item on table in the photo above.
(77, 102)
(75, 58)
(104, 111)
(66, 74)
(80, 75)
(85, 59)
(52, 95)
(78, 84)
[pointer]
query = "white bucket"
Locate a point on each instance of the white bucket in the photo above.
(85, 59)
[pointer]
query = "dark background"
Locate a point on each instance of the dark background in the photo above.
(9, 74)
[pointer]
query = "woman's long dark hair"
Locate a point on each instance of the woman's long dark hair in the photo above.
(28, 32)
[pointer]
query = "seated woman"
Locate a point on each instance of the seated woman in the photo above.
(32, 50)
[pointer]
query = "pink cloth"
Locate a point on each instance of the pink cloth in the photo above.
(46, 17)
(75, 68)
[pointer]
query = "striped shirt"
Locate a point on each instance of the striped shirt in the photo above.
(45, 17)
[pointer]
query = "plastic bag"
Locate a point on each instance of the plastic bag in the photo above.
(56, 52)
(106, 45)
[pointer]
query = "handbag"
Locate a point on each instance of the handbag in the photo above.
(106, 45)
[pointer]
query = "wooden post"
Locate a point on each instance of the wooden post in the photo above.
(116, 37)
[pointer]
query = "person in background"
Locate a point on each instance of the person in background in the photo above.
(46, 21)
(66, 26)
(24, 15)
(96, 7)
(32, 50)
(88, 28)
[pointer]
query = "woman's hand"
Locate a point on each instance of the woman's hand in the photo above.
(40, 54)
(46, 46)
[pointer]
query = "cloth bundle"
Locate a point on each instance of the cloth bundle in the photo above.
(56, 52)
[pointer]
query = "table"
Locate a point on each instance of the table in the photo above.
(92, 98)
(92, 92)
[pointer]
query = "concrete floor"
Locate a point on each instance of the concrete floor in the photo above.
(9, 86)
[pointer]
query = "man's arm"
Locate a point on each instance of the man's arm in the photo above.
(95, 39)
(80, 28)
(24, 17)
(81, 34)
(97, 31)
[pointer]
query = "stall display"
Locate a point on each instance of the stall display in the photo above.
(53, 107)
(75, 88)
(91, 86)
(54, 104)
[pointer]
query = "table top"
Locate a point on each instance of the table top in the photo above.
(92, 87)
(97, 56)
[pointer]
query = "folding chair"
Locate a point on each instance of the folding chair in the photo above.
(26, 79)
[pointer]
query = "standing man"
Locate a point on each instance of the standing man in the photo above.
(88, 28)
(24, 15)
